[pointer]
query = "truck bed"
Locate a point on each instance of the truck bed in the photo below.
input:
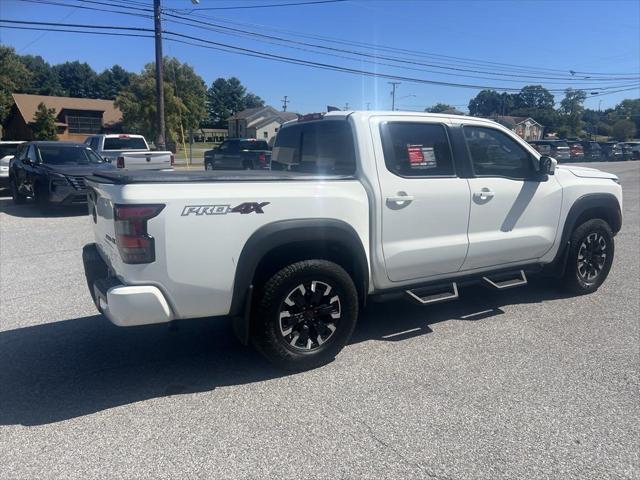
(125, 177)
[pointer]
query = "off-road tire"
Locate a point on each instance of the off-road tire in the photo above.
(267, 334)
(595, 230)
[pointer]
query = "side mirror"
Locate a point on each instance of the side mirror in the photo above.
(546, 165)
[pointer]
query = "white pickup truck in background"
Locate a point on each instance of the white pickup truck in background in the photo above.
(130, 152)
(357, 204)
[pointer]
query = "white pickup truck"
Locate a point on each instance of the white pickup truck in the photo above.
(357, 204)
(129, 152)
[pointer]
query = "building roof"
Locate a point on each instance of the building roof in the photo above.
(511, 121)
(28, 105)
(250, 112)
(260, 116)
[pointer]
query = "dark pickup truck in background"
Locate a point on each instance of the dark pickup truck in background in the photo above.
(239, 154)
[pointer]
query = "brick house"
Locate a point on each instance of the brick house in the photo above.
(76, 118)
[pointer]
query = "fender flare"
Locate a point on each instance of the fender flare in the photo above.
(590, 201)
(279, 234)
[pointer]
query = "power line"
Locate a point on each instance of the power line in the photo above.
(216, 27)
(376, 62)
(403, 50)
(255, 53)
(239, 7)
(376, 57)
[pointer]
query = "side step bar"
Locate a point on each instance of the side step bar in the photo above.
(507, 280)
(429, 295)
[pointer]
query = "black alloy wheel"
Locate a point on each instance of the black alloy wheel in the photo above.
(309, 315)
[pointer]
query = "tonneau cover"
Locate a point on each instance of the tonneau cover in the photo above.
(124, 177)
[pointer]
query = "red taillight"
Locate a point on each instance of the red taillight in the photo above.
(120, 162)
(173, 160)
(134, 243)
(262, 158)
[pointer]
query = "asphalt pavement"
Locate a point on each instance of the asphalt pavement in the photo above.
(524, 384)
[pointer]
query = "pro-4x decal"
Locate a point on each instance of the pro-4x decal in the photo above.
(243, 208)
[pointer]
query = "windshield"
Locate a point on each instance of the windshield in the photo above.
(124, 143)
(8, 149)
(254, 145)
(65, 155)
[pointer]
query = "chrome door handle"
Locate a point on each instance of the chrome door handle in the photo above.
(484, 194)
(400, 200)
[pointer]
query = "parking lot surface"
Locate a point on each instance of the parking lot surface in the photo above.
(528, 383)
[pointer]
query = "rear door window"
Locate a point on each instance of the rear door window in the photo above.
(324, 147)
(417, 149)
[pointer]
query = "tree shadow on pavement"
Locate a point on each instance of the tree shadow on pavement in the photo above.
(66, 369)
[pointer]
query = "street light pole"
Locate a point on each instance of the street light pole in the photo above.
(393, 95)
(157, 21)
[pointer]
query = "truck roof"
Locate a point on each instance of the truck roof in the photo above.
(343, 114)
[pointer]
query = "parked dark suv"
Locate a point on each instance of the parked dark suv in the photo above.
(611, 151)
(558, 149)
(53, 172)
(592, 151)
(239, 154)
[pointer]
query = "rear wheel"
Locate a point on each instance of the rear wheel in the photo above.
(18, 198)
(590, 257)
(305, 314)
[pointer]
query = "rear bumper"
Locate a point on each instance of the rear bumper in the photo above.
(123, 305)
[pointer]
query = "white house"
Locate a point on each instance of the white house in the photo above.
(261, 122)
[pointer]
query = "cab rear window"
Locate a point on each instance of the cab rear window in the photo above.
(124, 143)
(324, 147)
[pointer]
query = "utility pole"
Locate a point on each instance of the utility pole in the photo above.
(284, 101)
(393, 94)
(368, 105)
(157, 23)
(346, 106)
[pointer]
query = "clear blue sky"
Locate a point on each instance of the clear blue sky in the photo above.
(590, 36)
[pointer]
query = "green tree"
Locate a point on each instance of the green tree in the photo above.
(184, 98)
(111, 81)
(190, 88)
(534, 97)
(44, 123)
(629, 109)
(443, 108)
(251, 100)
(226, 97)
(77, 79)
(536, 102)
(624, 130)
(44, 81)
(13, 75)
(572, 108)
(489, 102)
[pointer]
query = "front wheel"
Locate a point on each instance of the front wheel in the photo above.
(208, 166)
(590, 257)
(18, 198)
(305, 314)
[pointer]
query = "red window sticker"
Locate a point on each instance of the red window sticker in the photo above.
(415, 154)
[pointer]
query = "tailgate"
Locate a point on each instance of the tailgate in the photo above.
(100, 204)
(147, 160)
